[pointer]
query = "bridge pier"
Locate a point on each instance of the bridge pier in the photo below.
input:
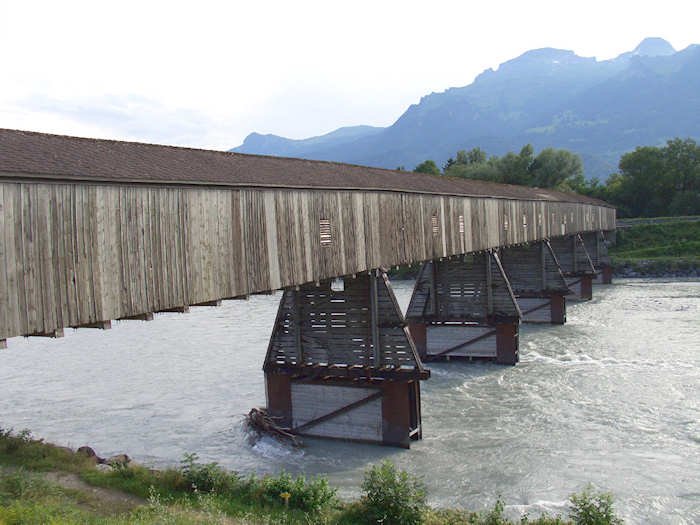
(537, 282)
(465, 308)
(576, 264)
(341, 363)
(597, 247)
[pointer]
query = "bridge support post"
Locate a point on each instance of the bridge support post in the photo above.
(596, 244)
(576, 264)
(341, 363)
(465, 308)
(537, 282)
(557, 311)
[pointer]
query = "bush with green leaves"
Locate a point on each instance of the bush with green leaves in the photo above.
(310, 495)
(392, 496)
(207, 477)
(591, 508)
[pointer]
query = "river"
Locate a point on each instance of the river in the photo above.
(611, 398)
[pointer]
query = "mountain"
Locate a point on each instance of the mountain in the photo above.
(283, 147)
(546, 97)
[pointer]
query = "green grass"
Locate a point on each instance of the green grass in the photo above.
(642, 220)
(198, 493)
(658, 241)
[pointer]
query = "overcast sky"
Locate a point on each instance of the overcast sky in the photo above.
(206, 74)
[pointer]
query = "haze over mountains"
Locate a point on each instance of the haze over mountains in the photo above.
(546, 97)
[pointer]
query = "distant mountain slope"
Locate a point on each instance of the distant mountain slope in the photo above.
(283, 147)
(547, 97)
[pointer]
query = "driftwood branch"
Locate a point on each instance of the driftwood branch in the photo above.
(262, 422)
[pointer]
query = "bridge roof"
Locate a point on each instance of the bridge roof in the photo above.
(40, 155)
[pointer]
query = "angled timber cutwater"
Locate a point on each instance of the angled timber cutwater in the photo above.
(97, 230)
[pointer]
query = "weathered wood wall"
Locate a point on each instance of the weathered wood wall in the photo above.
(72, 254)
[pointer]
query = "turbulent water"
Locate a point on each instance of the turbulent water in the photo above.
(611, 398)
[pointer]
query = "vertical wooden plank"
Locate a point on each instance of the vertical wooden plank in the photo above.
(359, 229)
(12, 219)
(94, 253)
(467, 236)
(4, 259)
(30, 260)
(299, 252)
(159, 300)
(272, 246)
(374, 319)
(239, 247)
(443, 227)
(183, 241)
(45, 235)
(126, 294)
(306, 217)
(342, 217)
(256, 241)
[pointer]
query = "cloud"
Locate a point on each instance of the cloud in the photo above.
(124, 117)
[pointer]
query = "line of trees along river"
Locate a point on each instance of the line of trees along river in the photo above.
(651, 181)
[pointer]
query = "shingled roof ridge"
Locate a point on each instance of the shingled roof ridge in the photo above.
(230, 154)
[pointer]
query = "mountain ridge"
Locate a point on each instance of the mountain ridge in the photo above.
(547, 97)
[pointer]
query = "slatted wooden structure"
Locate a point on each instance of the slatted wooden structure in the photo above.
(537, 282)
(356, 330)
(597, 247)
(464, 307)
(576, 265)
(95, 230)
(342, 364)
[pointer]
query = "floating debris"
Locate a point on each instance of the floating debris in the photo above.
(259, 420)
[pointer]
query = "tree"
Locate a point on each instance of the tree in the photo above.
(427, 166)
(450, 162)
(473, 156)
(555, 168)
(515, 169)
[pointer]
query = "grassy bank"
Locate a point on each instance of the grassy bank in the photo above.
(658, 249)
(41, 483)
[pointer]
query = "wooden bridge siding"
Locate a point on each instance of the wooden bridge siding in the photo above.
(76, 254)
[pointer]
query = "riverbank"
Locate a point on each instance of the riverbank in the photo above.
(662, 267)
(45, 483)
(670, 250)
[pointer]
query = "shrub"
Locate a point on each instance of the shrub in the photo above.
(23, 484)
(495, 515)
(592, 509)
(209, 477)
(308, 495)
(392, 496)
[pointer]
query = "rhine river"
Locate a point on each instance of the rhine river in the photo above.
(611, 398)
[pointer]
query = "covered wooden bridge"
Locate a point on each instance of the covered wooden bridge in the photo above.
(95, 230)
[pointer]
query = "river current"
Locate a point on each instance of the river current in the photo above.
(611, 398)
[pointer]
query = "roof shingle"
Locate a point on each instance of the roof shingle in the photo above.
(42, 155)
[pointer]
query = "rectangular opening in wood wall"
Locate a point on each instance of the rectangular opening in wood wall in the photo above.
(324, 226)
(461, 224)
(435, 224)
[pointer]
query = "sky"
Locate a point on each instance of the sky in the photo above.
(206, 74)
